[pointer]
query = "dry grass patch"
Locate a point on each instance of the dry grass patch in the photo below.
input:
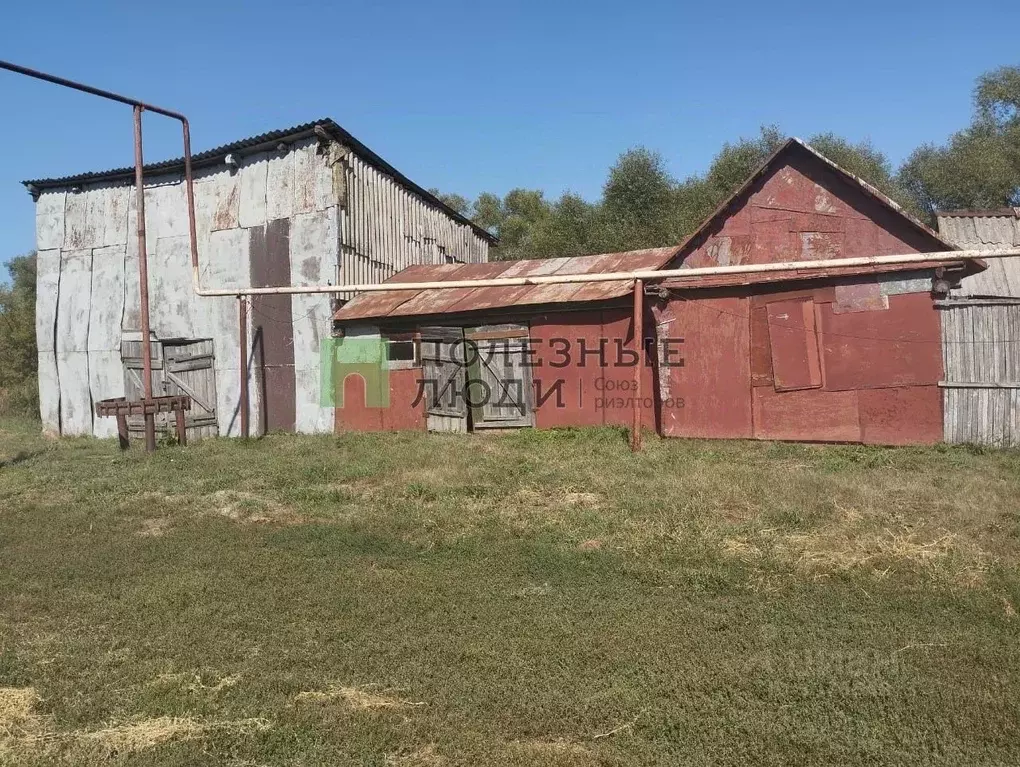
(194, 682)
(427, 756)
(363, 697)
(248, 508)
(20, 726)
(25, 732)
(149, 733)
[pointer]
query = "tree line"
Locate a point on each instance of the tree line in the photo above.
(642, 205)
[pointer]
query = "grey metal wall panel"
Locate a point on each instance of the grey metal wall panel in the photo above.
(986, 232)
(49, 220)
(106, 381)
(252, 205)
(47, 265)
(74, 303)
(107, 302)
(348, 219)
(313, 259)
(49, 393)
(174, 310)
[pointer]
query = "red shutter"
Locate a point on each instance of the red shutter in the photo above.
(794, 343)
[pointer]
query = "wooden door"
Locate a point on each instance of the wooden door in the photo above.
(134, 389)
(500, 389)
(188, 369)
(181, 367)
(443, 362)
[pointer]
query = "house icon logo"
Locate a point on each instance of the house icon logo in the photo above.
(358, 357)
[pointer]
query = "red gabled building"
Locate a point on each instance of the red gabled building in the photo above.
(849, 355)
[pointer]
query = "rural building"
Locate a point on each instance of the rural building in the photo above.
(309, 205)
(847, 356)
(981, 332)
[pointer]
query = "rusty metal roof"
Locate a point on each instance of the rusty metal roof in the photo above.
(411, 303)
(261, 143)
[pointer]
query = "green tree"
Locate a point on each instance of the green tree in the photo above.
(458, 202)
(18, 358)
(638, 203)
(979, 167)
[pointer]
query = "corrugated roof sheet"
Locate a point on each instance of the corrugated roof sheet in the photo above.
(411, 303)
(986, 230)
(257, 143)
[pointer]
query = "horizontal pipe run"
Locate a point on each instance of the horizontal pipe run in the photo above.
(646, 275)
(17, 68)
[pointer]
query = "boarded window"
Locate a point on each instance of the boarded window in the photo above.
(794, 343)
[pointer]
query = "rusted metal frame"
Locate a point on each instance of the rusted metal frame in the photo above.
(121, 406)
(242, 312)
(638, 323)
(143, 282)
(647, 275)
(143, 275)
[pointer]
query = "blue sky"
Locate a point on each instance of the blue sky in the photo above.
(472, 97)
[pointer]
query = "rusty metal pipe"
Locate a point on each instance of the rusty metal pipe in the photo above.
(639, 347)
(242, 312)
(18, 69)
(645, 275)
(143, 281)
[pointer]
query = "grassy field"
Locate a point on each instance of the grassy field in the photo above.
(536, 598)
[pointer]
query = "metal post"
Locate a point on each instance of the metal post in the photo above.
(143, 283)
(182, 429)
(242, 312)
(635, 429)
(123, 435)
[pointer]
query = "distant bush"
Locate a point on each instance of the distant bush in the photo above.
(19, 389)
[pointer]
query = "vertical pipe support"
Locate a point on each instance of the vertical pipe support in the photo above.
(143, 282)
(638, 323)
(242, 313)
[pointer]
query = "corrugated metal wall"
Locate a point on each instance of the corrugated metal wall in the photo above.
(385, 228)
(982, 372)
(347, 222)
(987, 232)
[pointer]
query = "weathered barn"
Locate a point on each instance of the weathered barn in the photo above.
(850, 355)
(981, 332)
(309, 205)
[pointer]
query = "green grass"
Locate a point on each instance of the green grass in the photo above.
(532, 598)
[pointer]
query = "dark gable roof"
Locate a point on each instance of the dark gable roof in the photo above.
(261, 143)
(773, 162)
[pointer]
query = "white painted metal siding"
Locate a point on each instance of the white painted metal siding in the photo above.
(349, 223)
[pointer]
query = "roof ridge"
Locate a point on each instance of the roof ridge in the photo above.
(259, 143)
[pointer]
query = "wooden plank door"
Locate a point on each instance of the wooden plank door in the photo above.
(443, 362)
(189, 369)
(499, 378)
(131, 357)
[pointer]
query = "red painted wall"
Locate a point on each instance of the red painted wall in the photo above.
(594, 388)
(597, 389)
(879, 370)
(805, 211)
(401, 415)
(844, 362)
